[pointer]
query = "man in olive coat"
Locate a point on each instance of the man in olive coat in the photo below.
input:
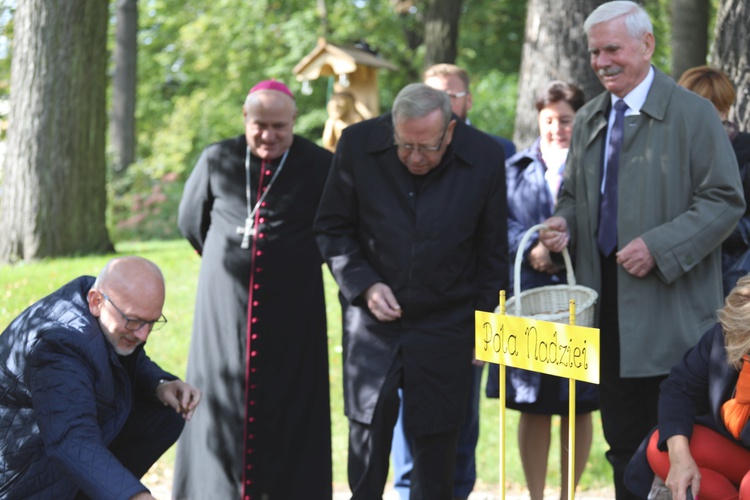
(677, 195)
(412, 224)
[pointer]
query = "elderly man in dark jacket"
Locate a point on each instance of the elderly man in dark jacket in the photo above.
(83, 410)
(412, 224)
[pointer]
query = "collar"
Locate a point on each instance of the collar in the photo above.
(636, 98)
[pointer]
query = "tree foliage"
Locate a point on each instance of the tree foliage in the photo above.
(197, 58)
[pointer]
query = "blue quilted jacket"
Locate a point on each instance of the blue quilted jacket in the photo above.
(64, 396)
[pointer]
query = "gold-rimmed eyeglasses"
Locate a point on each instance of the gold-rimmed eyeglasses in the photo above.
(134, 325)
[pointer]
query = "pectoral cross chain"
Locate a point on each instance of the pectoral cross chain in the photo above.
(248, 229)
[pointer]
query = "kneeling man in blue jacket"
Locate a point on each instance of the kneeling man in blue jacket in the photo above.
(84, 413)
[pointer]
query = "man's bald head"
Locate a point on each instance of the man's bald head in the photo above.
(131, 274)
(134, 288)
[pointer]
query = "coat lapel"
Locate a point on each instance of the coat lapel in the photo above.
(594, 155)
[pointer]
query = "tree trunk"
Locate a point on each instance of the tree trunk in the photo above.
(123, 87)
(689, 35)
(54, 198)
(441, 31)
(555, 48)
(323, 13)
(411, 22)
(731, 53)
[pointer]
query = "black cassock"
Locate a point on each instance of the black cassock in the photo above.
(259, 346)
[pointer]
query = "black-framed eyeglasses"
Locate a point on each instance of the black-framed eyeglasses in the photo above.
(134, 325)
(417, 148)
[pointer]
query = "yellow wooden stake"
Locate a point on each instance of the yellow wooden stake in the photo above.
(501, 420)
(572, 420)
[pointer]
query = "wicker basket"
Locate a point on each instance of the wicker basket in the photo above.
(550, 303)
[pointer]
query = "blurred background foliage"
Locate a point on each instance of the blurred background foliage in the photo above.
(197, 59)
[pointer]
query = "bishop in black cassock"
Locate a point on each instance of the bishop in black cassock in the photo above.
(259, 347)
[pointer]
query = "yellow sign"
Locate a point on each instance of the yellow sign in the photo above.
(542, 346)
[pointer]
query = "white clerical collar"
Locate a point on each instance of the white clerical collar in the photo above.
(636, 98)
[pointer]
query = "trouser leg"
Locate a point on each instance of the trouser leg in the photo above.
(401, 454)
(149, 431)
(370, 444)
(466, 471)
(434, 464)
(628, 405)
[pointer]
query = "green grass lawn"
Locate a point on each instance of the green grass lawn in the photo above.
(22, 284)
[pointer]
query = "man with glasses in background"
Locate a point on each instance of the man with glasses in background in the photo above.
(84, 413)
(455, 81)
(412, 224)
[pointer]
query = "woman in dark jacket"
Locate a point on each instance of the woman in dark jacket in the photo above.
(715, 86)
(702, 441)
(533, 178)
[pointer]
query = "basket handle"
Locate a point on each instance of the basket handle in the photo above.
(519, 260)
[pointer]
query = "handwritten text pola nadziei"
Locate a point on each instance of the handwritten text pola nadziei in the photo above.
(542, 346)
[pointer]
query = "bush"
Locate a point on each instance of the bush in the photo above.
(142, 208)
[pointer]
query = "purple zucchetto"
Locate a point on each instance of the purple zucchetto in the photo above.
(272, 85)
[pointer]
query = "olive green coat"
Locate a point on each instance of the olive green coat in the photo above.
(679, 189)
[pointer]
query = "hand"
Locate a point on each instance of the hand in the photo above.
(683, 471)
(184, 398)
(541, 261)
(636, 258)
(556, 237)
(382, 303)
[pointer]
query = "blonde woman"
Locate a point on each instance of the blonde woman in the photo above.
(702, 442)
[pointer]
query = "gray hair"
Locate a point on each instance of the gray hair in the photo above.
(637, 21)
(417, 100)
